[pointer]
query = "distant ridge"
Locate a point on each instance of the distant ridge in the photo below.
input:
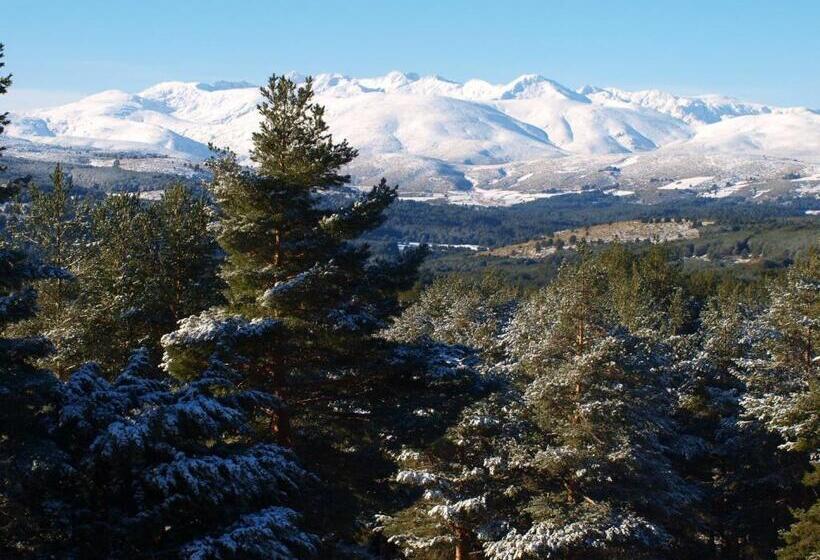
(434, 134)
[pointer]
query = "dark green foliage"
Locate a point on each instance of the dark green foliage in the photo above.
(802, 540)
(493, 227)
(783, 375)
(286, 256)
(138, 267)
(747, 481)
(458, 311)
(29, 462)
(139, 467)
(293, 146)
(634, 418)
(175, 472)
(51, 228)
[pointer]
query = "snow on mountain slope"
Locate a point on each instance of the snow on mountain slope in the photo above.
(431, 134)
(110, 120)
(704, 109)
(445, 128)
(792, 133)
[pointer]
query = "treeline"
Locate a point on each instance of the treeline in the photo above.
(494, 227)
(742, 252)
(93, 181)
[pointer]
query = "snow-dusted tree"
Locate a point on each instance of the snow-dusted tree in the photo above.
(599, 478)
(30, 464)
(465, 498)
(454, 310)
(292, 256)
(564, 319)
(286, 255)
(744, 477)
(595, 469)
(51, 227)
(165, 471)
(783, 374)
(783, 370)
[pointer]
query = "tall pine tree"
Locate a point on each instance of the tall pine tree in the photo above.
(291, 256)
(51, 227)
(783, 373)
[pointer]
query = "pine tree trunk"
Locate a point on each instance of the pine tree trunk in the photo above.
(279, 424)
(277, 245)
(283, 435)
(462, 540)
(581, 340)
(461, 550)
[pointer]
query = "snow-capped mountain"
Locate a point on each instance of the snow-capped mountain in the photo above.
(429, 130)
(704, 109)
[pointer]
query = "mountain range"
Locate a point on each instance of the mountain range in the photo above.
(435, 136)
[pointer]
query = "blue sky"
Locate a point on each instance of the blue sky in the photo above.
(766, 51)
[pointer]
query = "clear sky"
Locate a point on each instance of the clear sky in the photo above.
(767, 51)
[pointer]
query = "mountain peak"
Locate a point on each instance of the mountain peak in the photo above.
(529, 86)
(222, 85)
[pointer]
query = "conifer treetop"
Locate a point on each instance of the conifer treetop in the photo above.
(293, 144)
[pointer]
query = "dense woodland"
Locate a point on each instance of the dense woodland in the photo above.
(231, 373)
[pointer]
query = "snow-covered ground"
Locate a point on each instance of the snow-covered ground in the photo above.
(687, 183)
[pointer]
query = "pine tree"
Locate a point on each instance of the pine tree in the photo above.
(188, 258)
(293, 257)
(563, 319)
(289, 258)
(51, 227)
(595, 468)
(139, 267)
(466, 493)
(5, 83)
(784, 380)
(601, 482)
(286, 256)
(743, 474)
(167, 471)
(646, 291)
(27, 394)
